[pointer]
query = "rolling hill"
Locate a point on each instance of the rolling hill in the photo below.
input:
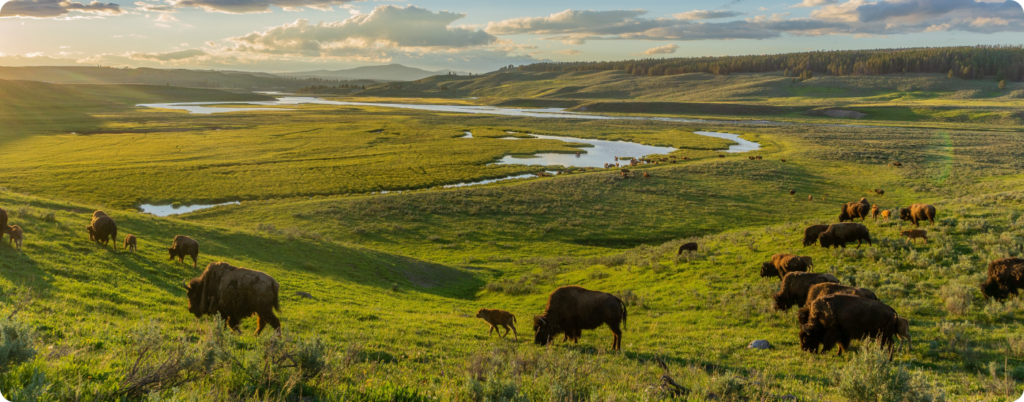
(390, 72)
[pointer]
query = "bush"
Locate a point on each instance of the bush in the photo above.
(869, 376)
(16, 343)
(957, 298)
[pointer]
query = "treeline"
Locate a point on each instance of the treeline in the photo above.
(327, 89)
(966, 62)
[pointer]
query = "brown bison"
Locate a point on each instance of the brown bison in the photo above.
(896, 164)
(827, 289)
(184, 246)
(903, 333)
(131, 243)
(792, 192)
(854, 210)
(102, 229)
(499, 317)
(687, 247)
(1005, 277)
(839, 234)
(235, 293)
(915, 234)
(879, 191)
(795, 286)
(812, 232)
(810, 198)
(874, 212)
(886, 215)
(782, 264)
(571, 309)
(3, 222)
(782, 160)
(16, 235)
(918, 212)
(843, 318)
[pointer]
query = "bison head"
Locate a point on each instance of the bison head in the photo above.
(905, 214)
(803, 316)
(171, 251)
(992, 288)
(545, 330)
(825, 239)
(195, 295)
(781, 302)
(480, 313)
(810, 338)
(768, 270)
(92, 233)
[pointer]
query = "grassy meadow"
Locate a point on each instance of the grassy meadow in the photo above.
(395, 279)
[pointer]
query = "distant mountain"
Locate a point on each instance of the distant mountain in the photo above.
(390, 72)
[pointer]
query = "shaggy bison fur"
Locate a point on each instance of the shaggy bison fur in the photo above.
(235, 293)
(184, 246)
(499, 317)
(687, 247)
(571, 309)
(1005, 277)
(854, 210)
(796, 285)
(839, 234)
(918, 212)
(812, 232)
(782, 264)
(843, 318)
(102, 229)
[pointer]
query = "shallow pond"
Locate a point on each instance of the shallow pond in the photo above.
(595, 154)
(489, 181)
(168, 210)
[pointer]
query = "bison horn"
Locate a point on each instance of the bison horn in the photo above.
(542, 320)
(184, 284)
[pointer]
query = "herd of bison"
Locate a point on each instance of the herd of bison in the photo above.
(830, 313)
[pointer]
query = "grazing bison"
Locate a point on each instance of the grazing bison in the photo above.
(184, 246)
(896, 164)
(131, 243)
(782, 160)
(915, 234)
(918, 212)
(843, 318)
(687, 247)
(792, 192)
(16, 235)
(3, 222)
(903, 333)
(879, 191)
(839, 234)
(796, 285)
(812, 232)
(854, 210)
(810, 198)
(571, 309)
(102, 229)
(782, 264)
(808, 260)
(1005, 277)
(235, 293)
(499, 317)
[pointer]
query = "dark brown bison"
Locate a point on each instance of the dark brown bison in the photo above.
(571, 309)
(853, 210)
(826, 289)
(1005, 277)
(782, 264)
(235, 293)
(879, 191)
(499, 317)
(812, 232)
(896, 164)
(783, 160)
(687, 247)
(102, 229)
(918, 212)
(3, 222)
(16, 236)
(131, 243)
(796, 285)
(792, 192)
(844, 318)
(839, 234)
(184, 246)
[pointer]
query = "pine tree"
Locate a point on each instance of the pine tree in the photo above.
(1002, 84)
(950, 75)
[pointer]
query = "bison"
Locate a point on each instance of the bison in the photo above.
(131, 243)
(184, 246)
(16, 235)
(499, 317)
(839, 234)
(879, 192)
(3, 222)
(235, 293)
(874, 212)
(1005, 277)
(687, 247)
(886, 215)
(903, 333)
(843, 318)
(827, 289)
(915, 234)
(918, 212)
(572, 309)
(854, 210)
(102, 229)
(795, 287)
(812, 232)
(782, 264)
(792, 192)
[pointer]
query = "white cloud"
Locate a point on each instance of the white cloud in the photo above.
(814, 3)
(667, 49)
(257, 6)
(706, 15)
(569, 52)
(56, 8)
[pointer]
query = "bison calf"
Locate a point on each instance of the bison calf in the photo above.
(130, 243)
(499, 317)
(184, 246)
(16, 235)
(915, 234)
(3, 222)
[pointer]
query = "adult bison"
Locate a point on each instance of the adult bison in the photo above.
(843, 318)
(812, 232)
(827, 289)
(1005, 277)
(853, 210)
(687, 247)
(102, 229)
(918, 212)
(839, 234)
(3, 222)
(782, 264)
(184, 246)
(572, 309)
(235, 293)
(796, 285)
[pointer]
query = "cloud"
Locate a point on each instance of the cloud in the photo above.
(154, 8)
(814, 3)
(55, 8)
(909, 16)
(667, 49)
(34, 60)
(574, 21)
(569, 52)
(707, 15)
(169, 56)
(257, 6)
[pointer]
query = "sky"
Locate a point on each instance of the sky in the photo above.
(476, 36)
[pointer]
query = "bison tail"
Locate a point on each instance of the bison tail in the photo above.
(277, 303)
(624, 314)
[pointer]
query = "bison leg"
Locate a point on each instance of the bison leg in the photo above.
(490, 332)
(268, 318)
(232, 323)
(506, 330)
(194, 262)
(831, 338)
(514, 333)
(617, 342)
